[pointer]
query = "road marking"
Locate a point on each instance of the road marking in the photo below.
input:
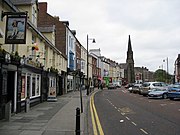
(144, 131)
(115, 107)
(121, 121)
(96, 116)
(127, 118)
(134, 123)
(92, 118)
(163, 104)
(123, 91)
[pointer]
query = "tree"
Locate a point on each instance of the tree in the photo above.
(162, 76)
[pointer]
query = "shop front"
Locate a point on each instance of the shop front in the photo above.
(30, 93)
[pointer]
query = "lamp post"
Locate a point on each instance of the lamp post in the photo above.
(93, 41)
(167, 68)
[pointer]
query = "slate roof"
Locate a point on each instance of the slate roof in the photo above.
(23, 2)
(47, 29)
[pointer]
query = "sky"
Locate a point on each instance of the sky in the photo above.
(153, 25)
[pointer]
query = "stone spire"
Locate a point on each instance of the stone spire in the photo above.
(129, 45)
(130, 63)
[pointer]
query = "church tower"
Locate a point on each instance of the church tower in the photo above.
(130, 63)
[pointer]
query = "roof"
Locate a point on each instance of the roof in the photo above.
(23, 2)
(47, 29)
(123, 65)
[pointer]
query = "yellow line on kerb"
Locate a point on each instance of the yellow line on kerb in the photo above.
(94, 113)
(92, 117)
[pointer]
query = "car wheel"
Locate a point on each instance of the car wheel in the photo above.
(164, 96)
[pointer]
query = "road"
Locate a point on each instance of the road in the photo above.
(124, 113)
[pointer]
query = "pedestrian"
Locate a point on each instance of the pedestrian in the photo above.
(101, 86)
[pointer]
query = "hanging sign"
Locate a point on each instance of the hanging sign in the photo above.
(16, 28)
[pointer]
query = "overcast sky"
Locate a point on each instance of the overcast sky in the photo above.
(154, 27)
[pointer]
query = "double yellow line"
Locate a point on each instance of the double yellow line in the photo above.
(95, 119)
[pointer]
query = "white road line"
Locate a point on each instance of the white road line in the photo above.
(127, 118)
(163, 104)
(115, 107)
(144, 131)
(133, 123)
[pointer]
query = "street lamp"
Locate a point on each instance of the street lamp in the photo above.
(167, 68)
(93, 41)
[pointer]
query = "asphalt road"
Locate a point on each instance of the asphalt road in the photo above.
(124, 113)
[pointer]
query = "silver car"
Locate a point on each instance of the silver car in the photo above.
(158, 93)
(144, 90)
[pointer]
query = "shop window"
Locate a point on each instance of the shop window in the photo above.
(38, 85)
(23, 81)
(52, 82)
(28, 85)
(4, 83)
(33, 85)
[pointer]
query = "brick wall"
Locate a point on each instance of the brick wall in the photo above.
(45, 19)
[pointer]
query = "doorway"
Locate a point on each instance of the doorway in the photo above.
(10, 89)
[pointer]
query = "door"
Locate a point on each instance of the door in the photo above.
(11, 89)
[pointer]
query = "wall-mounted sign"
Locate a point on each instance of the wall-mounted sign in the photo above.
(16, 29)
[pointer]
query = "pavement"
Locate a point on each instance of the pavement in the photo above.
(50, 118)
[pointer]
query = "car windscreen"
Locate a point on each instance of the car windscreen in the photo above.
(146, 84)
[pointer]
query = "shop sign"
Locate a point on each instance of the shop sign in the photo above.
(15, 28)
(52, 94)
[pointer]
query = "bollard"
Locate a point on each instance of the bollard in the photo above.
(27, 104)
(8, 110)
(77, 121)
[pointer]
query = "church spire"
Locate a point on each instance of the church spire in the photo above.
(130, 63)
(129, 45)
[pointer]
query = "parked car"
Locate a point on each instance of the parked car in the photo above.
(111, 86)
(135, 88)
(128, 85)
(158, 93)
(117, 84)
(174, 91)
(144, 90)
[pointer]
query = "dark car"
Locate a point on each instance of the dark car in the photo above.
(128, 85)
(174, 91)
